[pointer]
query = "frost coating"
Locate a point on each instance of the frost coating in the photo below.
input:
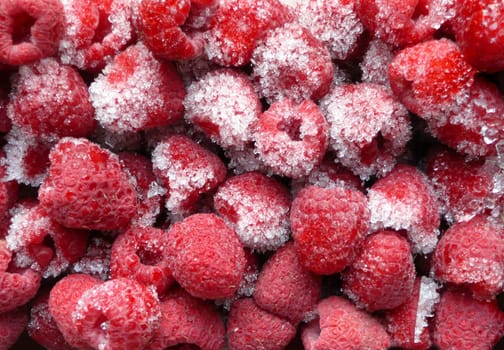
(428, 297)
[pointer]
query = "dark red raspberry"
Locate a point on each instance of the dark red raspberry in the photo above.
(257, 208)
(29, 30)
(12, 325)
(328, 226)
(291, 138)
(291, 63)
(186, 170)
(368, 127)
(17, 288)
(139, 254)
(284, 288)
(238, 25)
(463, 323)
(87, 188)
(5, 123)
(205, 256)
(383, 274)
(250, 327)
(188, 323)
(472, 254)
(408, 324)
(405, 200)
(375, 62)
(341, 325)
(224, 105)
(137, 92)
(96, 261)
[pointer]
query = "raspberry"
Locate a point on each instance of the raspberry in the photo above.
(196, 325)
(96, 261)
(17, 288)
(5, 256)
(284, 288)
(86, 187)
(405, 200)
(482, 326)
(368, 128)
(186, 170)
(256, 207)
(250, 327)
(328, 226)
(472, 254)
(238, 25)
(342, 326)
(139, 254)
(291, 138)
(51, 100)
(95, 32)
(136, 92)
(374, 64)
(408, 324)
(192, 259)
(291, 63)
(224, 105)
(12, 324)
(29, 30)
(382, 275)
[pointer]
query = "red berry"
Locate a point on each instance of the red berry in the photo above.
(12, 325)
(375, 62)
(17, 288)
(5, 256)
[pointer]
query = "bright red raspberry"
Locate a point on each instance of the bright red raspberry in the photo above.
(224, 105)
(463, 323)
(5, 256)
(51, 100)
(291, 63)
(29, 30)
(193, 259)
(368, 127)
(340, 325)
(186, 170)
(291, 138)
(139, 254)
(95, 31)
(136, 92)
(250, 327)
(257, 208)
(404, 200)
(237, 27)
(87, 188)
(375, 62)
(408, 324)
(328, 226)
(96, 261)
(197, 324)
(17, 288)
(472, 254)
(12, 324)
(284, 288)
(382, 275)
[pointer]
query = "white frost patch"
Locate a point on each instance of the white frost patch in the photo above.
(428, 297)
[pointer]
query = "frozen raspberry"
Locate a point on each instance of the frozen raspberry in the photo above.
(463, 323)
(250, 327)
(408, 324)
(341, 325)
(375, 62)
(335, 23)
(193, 259)
(5, 256)
(136, 92)
(12, 324)
(403, 23)
(368, 127)
(51, 100)
(96, 261)
(291, 63)
(95, 31)
(472, 254)
(139, 254)
(224, 105)
(328, 226)
(405, 200)
(284, 288)
(17, 288)
(186, 170)
(150, 193)
(29, 30)
(291, 138)
(383, 274)
(197, 324)
(256, 207)
(87, 188)
(238, 25)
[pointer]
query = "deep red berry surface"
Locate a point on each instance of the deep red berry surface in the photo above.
(12, 324)
(17, 288)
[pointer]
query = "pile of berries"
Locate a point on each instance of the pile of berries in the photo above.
(244, 174)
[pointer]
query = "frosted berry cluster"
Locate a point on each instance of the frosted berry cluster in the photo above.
(252, 174)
